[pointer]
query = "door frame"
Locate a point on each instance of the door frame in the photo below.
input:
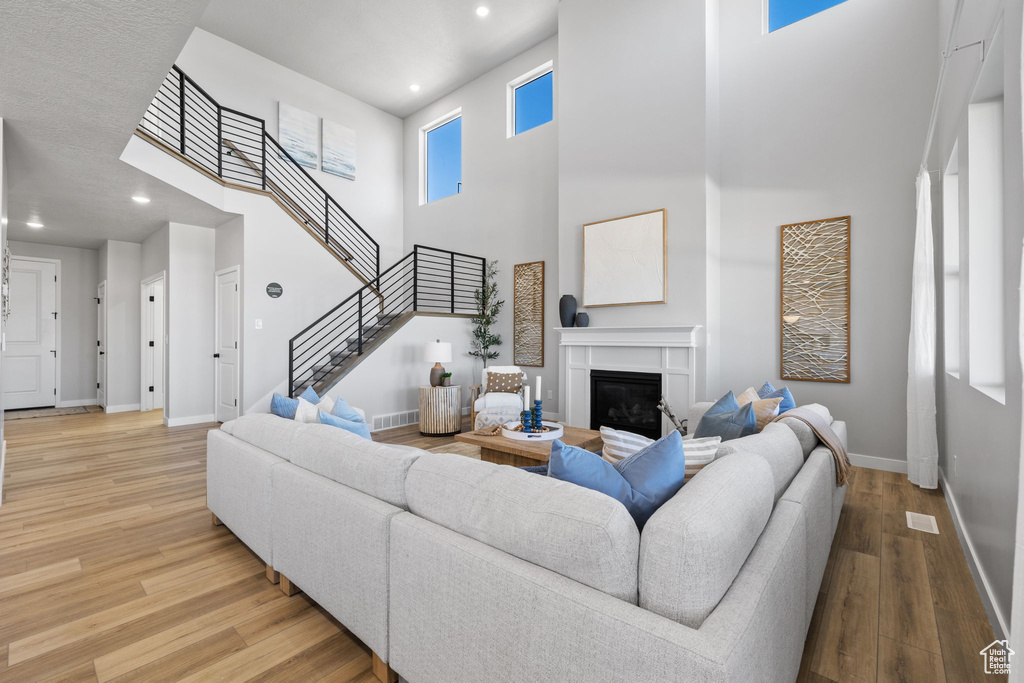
(143, 387)
(238, 335)
(56, 340)
(101, 293)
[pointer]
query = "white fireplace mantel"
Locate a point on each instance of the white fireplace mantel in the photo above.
(669, 350)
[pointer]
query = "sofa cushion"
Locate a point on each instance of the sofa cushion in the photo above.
(578, 533)
(729, 425)
(779, 446)
(642, 482)
(803, 431)
(769, 391)
(360, 428)
(694, 545)
(499, 400)
(266, 431)
(376, 469)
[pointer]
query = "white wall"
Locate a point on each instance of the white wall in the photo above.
(190, 328)
(979, 455)
(633, 136)
(825, 117)
(3, 242)
(249, 83)
(275, 249)
(156, 253)
(120, 264)
(388, 380)
(508, 207)
(78, 275)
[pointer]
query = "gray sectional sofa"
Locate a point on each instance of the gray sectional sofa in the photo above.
(453, 569)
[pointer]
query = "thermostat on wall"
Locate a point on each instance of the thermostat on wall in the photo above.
(274, 290)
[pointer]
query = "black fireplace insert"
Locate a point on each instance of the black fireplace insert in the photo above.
(626, 401)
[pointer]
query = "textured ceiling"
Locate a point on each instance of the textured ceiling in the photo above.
(75, 79)
(374, 49)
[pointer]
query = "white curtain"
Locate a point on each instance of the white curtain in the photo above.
(922, 440)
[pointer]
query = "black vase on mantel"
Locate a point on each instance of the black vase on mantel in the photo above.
(582, 319)
(567, 310)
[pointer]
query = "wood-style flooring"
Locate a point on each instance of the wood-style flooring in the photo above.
(110, 569)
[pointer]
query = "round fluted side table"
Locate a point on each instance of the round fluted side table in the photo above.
(440, 410)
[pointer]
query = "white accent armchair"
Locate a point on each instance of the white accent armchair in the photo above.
(495, 408)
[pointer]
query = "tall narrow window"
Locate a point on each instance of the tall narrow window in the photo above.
(531, 100)
(785, 12)
(951, 263)
(985, 229)
(442, 148)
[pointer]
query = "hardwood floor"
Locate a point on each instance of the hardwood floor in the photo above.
(110, 569)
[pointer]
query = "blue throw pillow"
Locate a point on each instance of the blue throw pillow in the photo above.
(728, 425)
(726, 404)
(643, 482)
(310, 396)
(357, 428)
(768, 391)
(343, 410)
(282, 406)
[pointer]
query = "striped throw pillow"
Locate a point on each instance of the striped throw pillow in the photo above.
(699, 453)
(619, 444)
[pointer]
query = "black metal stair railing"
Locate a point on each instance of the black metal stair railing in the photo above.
(425, 281)
(236, 148)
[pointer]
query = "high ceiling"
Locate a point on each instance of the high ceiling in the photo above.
(374, 50)
(75, 79)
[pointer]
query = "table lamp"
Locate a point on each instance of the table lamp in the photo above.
(437, 352)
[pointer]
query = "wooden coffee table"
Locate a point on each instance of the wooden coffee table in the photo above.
(503, 451)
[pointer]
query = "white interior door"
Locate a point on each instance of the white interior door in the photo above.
(30, 363)
(101, 345)
(153, 345)
(226, 345)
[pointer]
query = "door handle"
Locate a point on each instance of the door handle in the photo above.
(216, 355)
(102, 353)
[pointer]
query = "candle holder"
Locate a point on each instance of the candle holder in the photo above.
(538, 417)
(527, 421)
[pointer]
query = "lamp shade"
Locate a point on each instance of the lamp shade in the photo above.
(437, 352)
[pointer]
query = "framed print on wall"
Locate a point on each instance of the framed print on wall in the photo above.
(339, 150)
(297, 131)
(625, 260)
(815, 301)
(528, 314)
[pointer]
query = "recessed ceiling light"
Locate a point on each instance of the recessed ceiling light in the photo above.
(482, 11)
(414, 87)
(33, 224)
(140, 199)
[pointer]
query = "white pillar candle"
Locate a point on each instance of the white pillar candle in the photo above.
(540, 396)
(526, 398)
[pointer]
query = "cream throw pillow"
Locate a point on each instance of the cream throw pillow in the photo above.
(307, 412)
(766, 409)
(620, 444)
(699, 453)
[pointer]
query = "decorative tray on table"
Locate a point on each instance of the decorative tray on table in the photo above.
(514, 430)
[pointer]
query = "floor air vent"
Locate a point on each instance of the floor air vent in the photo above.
(919, 522)
(392, 420)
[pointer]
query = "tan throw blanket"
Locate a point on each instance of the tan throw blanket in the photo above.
(824, 432)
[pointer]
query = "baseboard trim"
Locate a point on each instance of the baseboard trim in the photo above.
(873, 462)
(995, 615)
(127, 408)
(190, 420)
(75, 402)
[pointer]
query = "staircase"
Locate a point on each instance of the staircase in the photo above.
(426, 281)
(235, 150)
